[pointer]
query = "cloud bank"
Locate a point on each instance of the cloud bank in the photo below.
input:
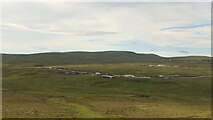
(168, 29)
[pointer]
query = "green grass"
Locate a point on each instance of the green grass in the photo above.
(80, 58)
(82, 111)
(87, 96)
(22, 79)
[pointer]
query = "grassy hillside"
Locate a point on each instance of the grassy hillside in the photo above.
(81, 58)
(61, 58)
(192, 58)
(45, 93)
(29, 92)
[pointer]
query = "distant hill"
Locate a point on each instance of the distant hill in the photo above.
(190, 58)
(81, 57)
(60, 58)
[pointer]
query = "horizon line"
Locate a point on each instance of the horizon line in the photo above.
(46, 52)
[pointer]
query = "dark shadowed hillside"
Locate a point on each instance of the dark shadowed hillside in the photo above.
(81, 57)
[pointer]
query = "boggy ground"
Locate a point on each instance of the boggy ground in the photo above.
(32, 93)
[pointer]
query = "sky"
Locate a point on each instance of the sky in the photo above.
(166, 29)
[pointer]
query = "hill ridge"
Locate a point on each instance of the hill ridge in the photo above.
(87, 57)
(82, 57)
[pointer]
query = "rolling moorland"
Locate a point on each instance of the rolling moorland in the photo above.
(29, 92)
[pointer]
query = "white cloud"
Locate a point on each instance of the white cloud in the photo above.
(58, 1)
(69, 26)
(50, 30)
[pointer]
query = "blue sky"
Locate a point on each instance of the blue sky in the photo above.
(187, 27)
(166, 29)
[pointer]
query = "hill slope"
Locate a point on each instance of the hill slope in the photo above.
(81, 57)
(191, 58)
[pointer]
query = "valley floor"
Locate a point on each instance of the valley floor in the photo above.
(38, 93)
